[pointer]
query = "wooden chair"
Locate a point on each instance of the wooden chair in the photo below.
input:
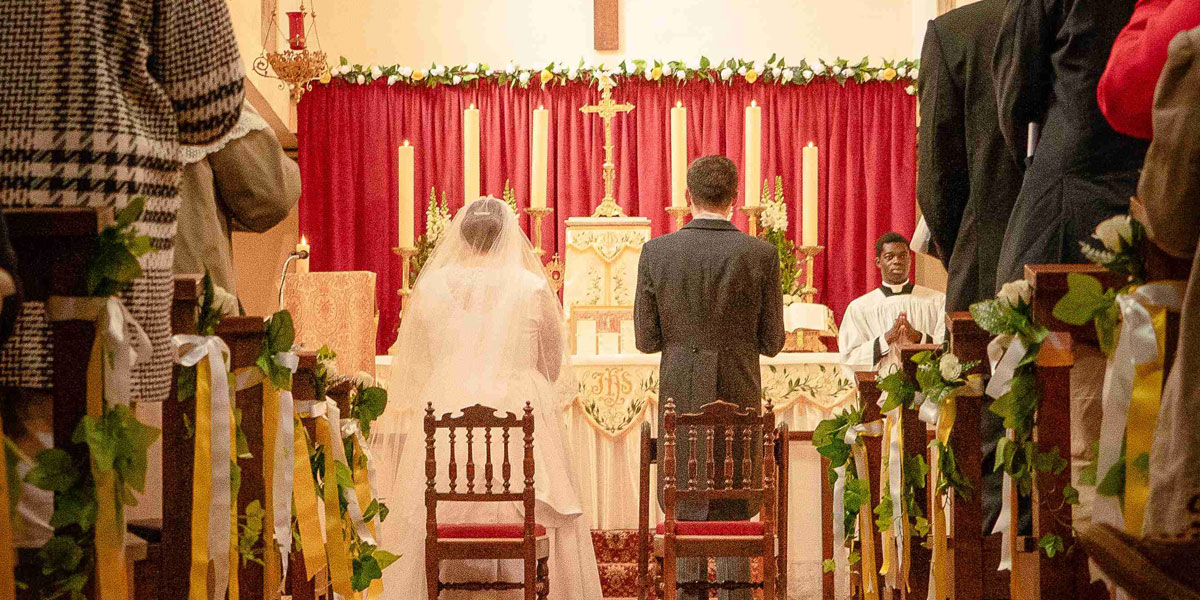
(526, 541)
(728, 425)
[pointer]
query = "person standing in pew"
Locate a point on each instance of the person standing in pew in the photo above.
(1161, 563)
(708, 298)
(242, 182)
(897, 311)
(98, 98)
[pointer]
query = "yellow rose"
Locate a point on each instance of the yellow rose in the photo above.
(418, 75)
(546, 76)
(324, 77)
(751, 76)
(656, 73)
(889, 74)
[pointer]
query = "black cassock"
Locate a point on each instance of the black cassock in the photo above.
(1049, 57)
(708, 297)
(968, 179)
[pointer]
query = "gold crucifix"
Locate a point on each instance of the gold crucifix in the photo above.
(607, 108)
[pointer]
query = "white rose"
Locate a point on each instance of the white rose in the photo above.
(914, 73)
(681, 75)
(1111, 231)
(901, 71)
(847, 72)
(392, 80)
(510, 68)
(406, 71)
(1015, 292)
(950, 367)
(648, 74)
(437, 71)
(742, 71)
(472, 67)
(364, 379)
(776, 72)
(630, 68)
(224, 302)
(667, 70)
(788, 299)
(572, 74)
(342, 70)
(360, 79)
(523, 77)
(866, 75)
(807, 74)
(911, 90)
(726, 73)
(376, 72)
(456, 80)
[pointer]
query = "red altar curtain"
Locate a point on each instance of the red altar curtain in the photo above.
(348, 136)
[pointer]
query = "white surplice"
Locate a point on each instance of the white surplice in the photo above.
(870, 316)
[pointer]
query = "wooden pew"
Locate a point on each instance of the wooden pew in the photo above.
(969, 343)
(868, 401)
(1064, 576)
(916, 440)
(54, 248)
(299, 586)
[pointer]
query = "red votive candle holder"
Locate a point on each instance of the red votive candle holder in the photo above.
(296, 30)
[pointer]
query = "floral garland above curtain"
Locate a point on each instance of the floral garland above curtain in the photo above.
(773, 70)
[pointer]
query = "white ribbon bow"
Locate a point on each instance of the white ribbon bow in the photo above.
(114, 322)
(1004, 353)
(220, 417)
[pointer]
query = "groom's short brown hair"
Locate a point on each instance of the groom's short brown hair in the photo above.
(712, 181)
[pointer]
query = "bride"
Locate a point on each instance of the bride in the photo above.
(482, 326)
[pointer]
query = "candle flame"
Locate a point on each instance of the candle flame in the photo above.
(303, 241)
(541, 107)
(472, 107)
(810, 144)
(753, 103)
(678, 104)
(406, 143)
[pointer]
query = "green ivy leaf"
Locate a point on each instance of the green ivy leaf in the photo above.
(1113, 484)
(61, 553)
(1071, 495)
(916, 470)
(369, 404)
(1084, 298)
(1051, 544)
(828, 565)
(1142, 463)
(384, 558)
(76, 506)
(52, 471)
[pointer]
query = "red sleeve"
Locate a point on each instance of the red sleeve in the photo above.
(1126, 90)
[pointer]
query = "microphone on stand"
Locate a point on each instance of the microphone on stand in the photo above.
(300, 254)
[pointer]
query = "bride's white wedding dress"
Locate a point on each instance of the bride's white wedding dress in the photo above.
(483, 326)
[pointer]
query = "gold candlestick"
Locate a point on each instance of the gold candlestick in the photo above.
(809, 291)
(536, 227)
(752, 212)
(679, 212)
(405, 255)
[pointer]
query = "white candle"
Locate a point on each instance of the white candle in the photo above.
(303, 250)
(471, 154)
(679, 155)
(405, 197)
(808, 231)
(753, 153)
(537, 160)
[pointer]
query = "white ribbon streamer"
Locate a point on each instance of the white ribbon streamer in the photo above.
(1004, 521)
(284, 466)
(114, 322)
(1004, 353)
(329, 410)
(841, 557)
(896, 488)
(221, 419)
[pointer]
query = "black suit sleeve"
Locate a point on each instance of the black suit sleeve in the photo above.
(943, 184)
(646, 326)
(771, 334)
(1021, 67)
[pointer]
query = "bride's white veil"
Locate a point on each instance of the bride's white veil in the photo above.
(464, 331)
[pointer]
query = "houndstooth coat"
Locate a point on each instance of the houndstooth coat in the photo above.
(96, 100)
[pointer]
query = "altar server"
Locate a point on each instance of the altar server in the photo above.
(896, 310)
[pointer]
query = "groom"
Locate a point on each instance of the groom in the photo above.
(708, 297)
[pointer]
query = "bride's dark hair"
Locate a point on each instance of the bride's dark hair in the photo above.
(483, 223)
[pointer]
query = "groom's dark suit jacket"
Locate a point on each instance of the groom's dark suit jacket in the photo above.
(708, 297)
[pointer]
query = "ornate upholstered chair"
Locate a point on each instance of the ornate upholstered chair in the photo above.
(524, 541)
(718, 424)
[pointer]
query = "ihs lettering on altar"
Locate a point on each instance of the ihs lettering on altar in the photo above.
(607, 108)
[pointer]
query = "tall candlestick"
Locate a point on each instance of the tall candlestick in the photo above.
(537, 160)
(808, 231)
(405, 197)
(679, 155)
(302, 249)
(471, 154)
(753, 153)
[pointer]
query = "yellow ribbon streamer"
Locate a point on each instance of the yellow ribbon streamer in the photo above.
(941, 557)
(201, 484)
(272, 561)
(234, 555)
(887, 536)
(335, 535)
(362, 488)
(8, 584)
(866, 529)
(1142, 421)
(304, 498)
(112, 583)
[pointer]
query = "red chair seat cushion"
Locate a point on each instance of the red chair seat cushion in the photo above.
(714, 528)
(486, 531)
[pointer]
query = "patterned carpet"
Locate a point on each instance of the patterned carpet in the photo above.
(616, 555)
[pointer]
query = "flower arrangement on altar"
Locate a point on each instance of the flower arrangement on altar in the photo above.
(774, 70)
(774, 222)
(437, 216)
